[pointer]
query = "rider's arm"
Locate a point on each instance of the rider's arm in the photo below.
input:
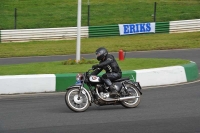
(106, 62)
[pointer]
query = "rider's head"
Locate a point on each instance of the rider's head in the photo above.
(101, 53)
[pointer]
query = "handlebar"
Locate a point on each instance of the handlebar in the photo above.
(91, 69)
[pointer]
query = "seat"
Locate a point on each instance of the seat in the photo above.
(121, 79)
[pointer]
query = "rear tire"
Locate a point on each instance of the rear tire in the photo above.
(133, 102)
(75, 104)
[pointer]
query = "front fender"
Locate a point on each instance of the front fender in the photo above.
(73, 86)
(83, 89)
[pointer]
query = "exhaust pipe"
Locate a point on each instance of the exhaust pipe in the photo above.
(119, 99)
(128, 98)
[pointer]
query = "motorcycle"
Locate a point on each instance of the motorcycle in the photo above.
(78, 98)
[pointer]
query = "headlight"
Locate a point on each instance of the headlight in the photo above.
(79, 77)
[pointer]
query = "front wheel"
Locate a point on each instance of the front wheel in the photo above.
(75, 102)
(133, 91)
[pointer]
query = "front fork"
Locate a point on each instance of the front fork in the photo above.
(83, 90)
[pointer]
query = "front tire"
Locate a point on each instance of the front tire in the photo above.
(133, 91)
(74, 103)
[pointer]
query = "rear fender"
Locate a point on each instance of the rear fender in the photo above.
(136, 84)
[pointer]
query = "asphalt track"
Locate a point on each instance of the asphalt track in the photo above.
(162, 109)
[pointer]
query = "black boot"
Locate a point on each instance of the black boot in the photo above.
(113, 92)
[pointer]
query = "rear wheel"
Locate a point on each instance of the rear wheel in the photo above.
(133, 91)
(76, 103)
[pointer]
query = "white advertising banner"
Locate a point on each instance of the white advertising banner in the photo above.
(127, 29)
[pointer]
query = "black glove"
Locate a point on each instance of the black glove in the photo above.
(95, 66)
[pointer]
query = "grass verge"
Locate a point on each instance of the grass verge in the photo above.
(142, 42)
(62, 13)
(58, 67)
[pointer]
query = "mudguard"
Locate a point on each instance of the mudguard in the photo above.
(73, 86)
(79, 87)
(136, 84)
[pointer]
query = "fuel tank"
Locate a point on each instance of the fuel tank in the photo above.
(94, 78)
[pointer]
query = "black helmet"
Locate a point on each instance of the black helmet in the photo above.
(101, 53)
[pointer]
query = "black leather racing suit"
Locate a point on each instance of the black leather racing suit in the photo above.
(113, 72)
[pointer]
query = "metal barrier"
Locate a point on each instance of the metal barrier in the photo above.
(91, 31)
(185, 26)
(22, 35)
(101, 31)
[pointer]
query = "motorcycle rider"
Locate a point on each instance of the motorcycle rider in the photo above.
(108, 63)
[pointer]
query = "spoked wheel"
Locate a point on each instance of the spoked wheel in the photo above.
(132, 103)
(75, 102)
